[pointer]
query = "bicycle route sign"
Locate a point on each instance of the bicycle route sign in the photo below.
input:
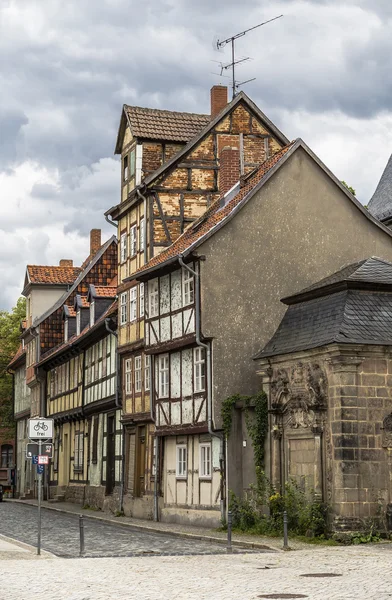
(41, 429)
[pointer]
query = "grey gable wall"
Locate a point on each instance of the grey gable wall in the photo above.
(299, 228)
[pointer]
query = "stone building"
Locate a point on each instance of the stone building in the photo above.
(328, 374)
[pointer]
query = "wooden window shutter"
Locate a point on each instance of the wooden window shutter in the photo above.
(94, 454)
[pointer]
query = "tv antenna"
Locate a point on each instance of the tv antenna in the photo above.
(231, 40)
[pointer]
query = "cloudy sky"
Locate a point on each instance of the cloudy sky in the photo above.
(323, 74)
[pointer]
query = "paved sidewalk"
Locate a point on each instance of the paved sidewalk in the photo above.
(11, 549)
(185, 531)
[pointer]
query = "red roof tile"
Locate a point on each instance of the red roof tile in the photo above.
(105, 291)
(155, 124)
(20, 351)
(214, 214)
(52, 275)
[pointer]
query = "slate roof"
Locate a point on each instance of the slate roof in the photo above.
(370, 271)
(52, 275)
(380, 205)
(214, 215)
(352, 315)
(156, 124)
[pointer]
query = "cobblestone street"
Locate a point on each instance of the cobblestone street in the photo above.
(60, 535)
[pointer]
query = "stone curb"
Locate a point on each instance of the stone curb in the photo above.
(29, 547)
(180, 534)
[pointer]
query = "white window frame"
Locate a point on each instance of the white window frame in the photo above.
(133, 304)
(199, 369)
(66, 329)
(92, 313)
(78, 319)
(205, 461)
(138, 374)
(147, 372)
(153, 298)
(123, 247)
(141, 235)
(181, 461)
(141, 300)
(188, 288)
(128, 376)
(126, 167)
(163, 376)
(133, 241)
(79, 451)
(123, 308)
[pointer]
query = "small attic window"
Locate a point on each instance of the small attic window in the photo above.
(132, 164)
(66, 330)
(78, 322)
(92, 313)
(125, 168)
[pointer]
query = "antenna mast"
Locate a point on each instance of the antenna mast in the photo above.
(231, 40)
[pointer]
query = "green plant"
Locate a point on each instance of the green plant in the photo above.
(227, 413)
(119, 513)
(258, 426)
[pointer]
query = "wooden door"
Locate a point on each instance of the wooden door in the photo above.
(110, 455)
(140, 461)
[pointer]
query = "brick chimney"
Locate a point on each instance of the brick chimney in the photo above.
(95, 241)
(65, 262)
(229, 172)
(218, 99)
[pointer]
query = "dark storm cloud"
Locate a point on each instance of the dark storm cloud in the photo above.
(66, 68)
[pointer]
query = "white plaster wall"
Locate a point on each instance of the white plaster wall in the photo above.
(176, 291)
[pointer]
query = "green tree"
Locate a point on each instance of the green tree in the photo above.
(9, 343)
(350, 189)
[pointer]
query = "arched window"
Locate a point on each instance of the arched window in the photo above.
(7, 454)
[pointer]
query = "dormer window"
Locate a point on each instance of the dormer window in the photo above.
(78, 315)
(66, 330)
(92, 313)
(125, 168)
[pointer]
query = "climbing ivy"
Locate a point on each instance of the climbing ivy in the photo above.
(256, 423)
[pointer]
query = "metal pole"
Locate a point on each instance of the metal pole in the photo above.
(232, 60)
(285, 535)
(229, 525)
(39, 501)
(81, 535)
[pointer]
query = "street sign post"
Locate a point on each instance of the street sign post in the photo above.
(42, 431)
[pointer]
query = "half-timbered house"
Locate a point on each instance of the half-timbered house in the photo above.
(211, 302)
(66, 313)
(83, 400)
(174, 166)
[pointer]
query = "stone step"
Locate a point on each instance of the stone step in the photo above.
(58, 498)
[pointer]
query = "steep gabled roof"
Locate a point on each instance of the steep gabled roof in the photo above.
(380, 205)
(62, 300)
(170, 164)
(50, 275)
(83, 335)
(217, 216)
(18, 358)
(354, 314)
(157, 124)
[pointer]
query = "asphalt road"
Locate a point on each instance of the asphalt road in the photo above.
(60, 535)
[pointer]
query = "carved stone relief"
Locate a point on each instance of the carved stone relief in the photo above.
(299, 394)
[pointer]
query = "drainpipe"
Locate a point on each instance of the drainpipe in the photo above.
(209, 373)
(156, 441)
(110, 221)
(117, 402)
(142, 197)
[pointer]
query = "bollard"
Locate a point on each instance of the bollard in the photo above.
(229, 525)
(81, 535)
(285, 535)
